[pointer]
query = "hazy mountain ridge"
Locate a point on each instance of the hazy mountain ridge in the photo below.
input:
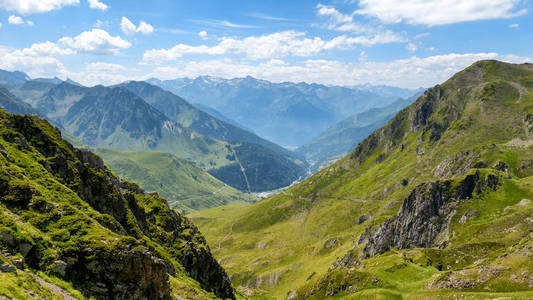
(287, 113)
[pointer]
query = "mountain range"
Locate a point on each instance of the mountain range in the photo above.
(289, 114)
(119, 117)
(435, 204)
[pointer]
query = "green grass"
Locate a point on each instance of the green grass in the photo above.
(185, 186)
(465, 125)
(69, 209)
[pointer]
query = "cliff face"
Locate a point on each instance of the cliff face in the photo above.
(67, 214)
(425, 214)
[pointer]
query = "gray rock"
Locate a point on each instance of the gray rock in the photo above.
(7, 268)
(424, 214)
(60, 267)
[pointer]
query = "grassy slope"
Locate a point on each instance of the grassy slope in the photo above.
(40, 208)
(297, 234)
(341, 138)
(186, 186)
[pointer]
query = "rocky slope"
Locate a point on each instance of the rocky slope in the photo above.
(435, 204)
(67, 221)
(13, 105)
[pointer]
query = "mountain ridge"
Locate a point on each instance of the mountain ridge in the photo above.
(453, 170)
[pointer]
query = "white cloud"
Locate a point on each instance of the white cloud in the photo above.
(44, 49)
(96, 41)
(102, 73)
(203, 34)
(0, 25)
(34, 6)
(413, 72)
(439, 12)
(515, 25)
(128, 28)
(97, 5)
(15, 20)
(31, 63)
(275, 45)
(411, 47)
(145, 28)
(335, 16)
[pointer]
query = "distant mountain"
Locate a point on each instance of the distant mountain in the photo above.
(388, 91)
(54, 80)
(343, 137)
(179, 110)
(31, 91)
(181, 182)
(11, 104)
(289, 114)
(215, 113)
(12, 78)
(119, 119)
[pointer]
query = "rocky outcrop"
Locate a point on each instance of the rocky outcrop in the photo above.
(425, 213)
(131, 269)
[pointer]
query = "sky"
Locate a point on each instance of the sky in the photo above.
(404, 43)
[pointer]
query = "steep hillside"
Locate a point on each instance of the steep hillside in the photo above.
(12, 78)
(189, 116)
(341, 138)
(288, 114)
(436, 204)
(31, 91)
(181, 182)
(70, 228)
(13, 105)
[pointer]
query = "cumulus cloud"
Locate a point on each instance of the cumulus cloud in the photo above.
(15, 20)
(96, 41)
(203, 34)
(515, 25)
(128, 28)
(45, 49)
(97, 5)
(413, 72)
(439, 12)
(35, 6)
(30, 61)
(275, 45)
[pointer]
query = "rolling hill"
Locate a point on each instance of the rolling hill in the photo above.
(436, 204)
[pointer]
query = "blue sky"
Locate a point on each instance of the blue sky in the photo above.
(409, 43)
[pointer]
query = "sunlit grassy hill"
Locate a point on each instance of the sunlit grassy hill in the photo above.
(435, 204)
